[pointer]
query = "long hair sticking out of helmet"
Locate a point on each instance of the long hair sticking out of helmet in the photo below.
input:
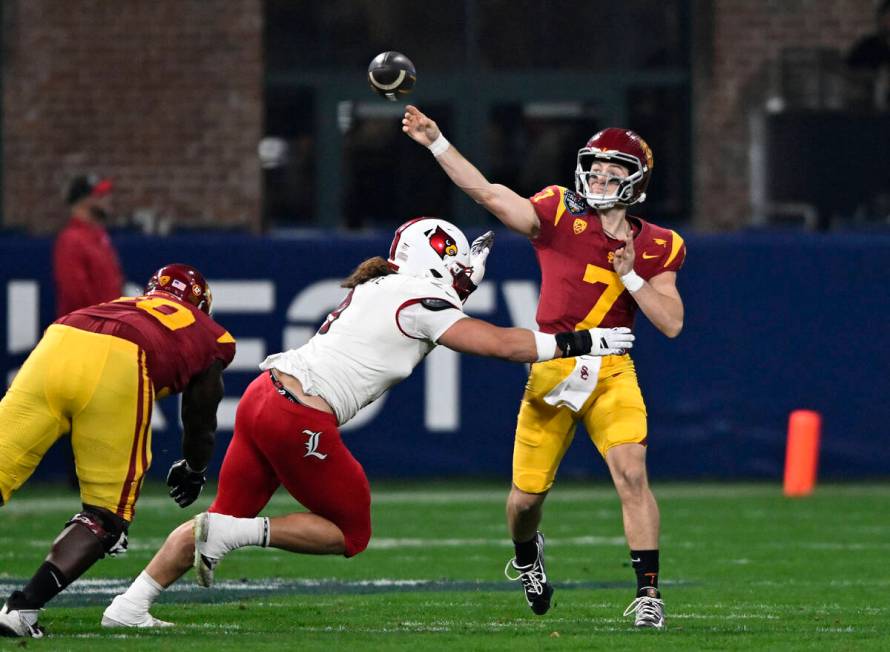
(369, 269)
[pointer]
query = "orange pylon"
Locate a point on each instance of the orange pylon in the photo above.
(802, 452)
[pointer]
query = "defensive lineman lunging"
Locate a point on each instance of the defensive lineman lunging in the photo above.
(397, 310)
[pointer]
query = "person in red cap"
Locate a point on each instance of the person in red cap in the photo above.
(86, 267)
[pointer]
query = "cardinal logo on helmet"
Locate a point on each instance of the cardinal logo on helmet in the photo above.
(442, 243)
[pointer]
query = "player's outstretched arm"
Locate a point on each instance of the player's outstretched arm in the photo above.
(516, 212)
(523, 345)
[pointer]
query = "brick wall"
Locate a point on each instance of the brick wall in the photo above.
(737, 45)
(166, 96)
(163, 95)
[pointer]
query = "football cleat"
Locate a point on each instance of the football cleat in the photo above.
(123, 612)
(534, 580)
(648, 611)
(20, 623)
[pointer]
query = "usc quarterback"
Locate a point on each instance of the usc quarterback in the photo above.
(599, 266)
(95, 373)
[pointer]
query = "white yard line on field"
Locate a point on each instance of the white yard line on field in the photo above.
(598, 492)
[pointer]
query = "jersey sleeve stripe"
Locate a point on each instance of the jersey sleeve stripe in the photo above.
(676, 245)
(560, 206)
(225, 338)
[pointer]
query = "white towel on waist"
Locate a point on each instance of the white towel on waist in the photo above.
(574, 391)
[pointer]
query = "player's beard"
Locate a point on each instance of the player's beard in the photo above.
(100, 214)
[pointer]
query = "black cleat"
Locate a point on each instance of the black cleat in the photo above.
(534, 580)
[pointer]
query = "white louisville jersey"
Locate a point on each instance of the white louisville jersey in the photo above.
(374, 339)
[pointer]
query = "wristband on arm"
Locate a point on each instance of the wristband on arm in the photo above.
(438, 146)
(632, 281)
(546, 345)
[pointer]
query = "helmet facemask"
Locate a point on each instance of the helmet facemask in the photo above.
(624, 194)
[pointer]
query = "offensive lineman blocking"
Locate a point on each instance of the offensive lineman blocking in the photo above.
(95, 373)
(286, 425)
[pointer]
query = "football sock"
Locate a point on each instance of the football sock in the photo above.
(240, 532)
(526, 551)
(645, 563)
(143, 591)
(47, 582)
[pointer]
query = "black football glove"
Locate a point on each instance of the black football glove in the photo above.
(185, 483)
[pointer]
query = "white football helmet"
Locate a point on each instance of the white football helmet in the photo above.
(428, 247)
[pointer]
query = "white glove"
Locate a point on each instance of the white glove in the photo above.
(611, 341)
(467, 279)
(479, 251)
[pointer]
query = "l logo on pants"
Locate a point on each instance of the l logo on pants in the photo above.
(312, 445)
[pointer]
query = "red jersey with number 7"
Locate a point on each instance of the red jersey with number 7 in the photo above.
(579, 286)
(179, 340)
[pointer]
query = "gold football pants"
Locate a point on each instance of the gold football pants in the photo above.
(613, 414)
(97, 388)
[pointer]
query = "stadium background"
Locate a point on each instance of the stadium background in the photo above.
(768, 160)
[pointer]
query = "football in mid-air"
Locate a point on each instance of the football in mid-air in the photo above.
(391, 74)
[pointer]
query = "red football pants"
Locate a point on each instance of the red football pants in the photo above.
(277, 442)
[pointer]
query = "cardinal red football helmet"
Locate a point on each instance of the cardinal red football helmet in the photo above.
(183, 282)
(621, 146)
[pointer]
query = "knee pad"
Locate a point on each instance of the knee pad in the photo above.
(109, 529)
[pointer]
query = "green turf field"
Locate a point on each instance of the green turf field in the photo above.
(742, 568)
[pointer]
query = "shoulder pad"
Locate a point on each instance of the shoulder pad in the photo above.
(435, 304)
(574, 203)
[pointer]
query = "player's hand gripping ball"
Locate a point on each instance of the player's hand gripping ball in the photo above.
(391, 74)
